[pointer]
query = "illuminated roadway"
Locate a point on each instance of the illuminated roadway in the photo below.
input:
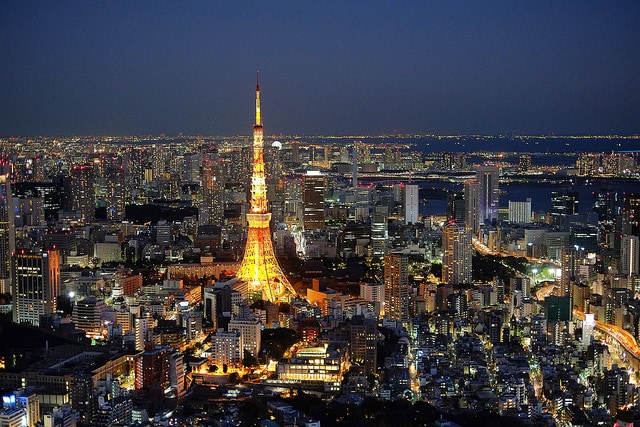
(624, 338)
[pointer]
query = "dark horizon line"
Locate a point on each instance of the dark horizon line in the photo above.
(330, 135)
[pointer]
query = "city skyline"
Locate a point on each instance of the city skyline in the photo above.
(459, 68)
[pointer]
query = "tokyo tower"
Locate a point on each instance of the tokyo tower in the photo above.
(259, 267)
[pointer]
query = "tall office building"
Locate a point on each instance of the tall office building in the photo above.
(7, 232)
(396, 287)
(379, 229)
(36, 285)
(489, 178)
(607, 204)
(457, 252)
(563, 204)
(259, 266)
(456, 206)
(472, 205)
(570, 259)
(630, 257)
(411, 203)
(520, 212)
(313, 200)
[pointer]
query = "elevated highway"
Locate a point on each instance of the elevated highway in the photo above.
(622, 337)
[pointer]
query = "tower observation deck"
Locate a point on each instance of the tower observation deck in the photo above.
(259, 266)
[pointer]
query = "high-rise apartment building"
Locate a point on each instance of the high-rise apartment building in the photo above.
(457, 252)
(36, 285)
(143, 325)
(396, 287)
(134, 161)
(472, 205)
(211, 209)
(115, 193)
(152, 369)
(7, 232)
(79, 192)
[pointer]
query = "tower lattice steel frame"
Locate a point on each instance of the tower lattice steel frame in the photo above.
(259, 266)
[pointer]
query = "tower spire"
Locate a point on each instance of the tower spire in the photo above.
(258, 118)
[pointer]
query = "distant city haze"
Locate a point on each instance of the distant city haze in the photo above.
(462, 67)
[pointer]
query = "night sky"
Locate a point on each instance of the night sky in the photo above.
(326, 67)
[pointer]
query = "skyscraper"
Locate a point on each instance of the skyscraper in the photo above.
(379, 229)
(313, 200)
(36, 285)
(457, 251)
(472, 205)
(570, 259)
(563, 204)
(456, 206)
(411, 199)
(259, 266)
(396, 287)
(630, 255)
(7, 232)
(354, 176)
(489, 178)
(80, 192)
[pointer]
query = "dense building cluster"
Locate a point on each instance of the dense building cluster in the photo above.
(158, 274)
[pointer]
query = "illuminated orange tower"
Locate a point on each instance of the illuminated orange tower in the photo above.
(259, 267)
